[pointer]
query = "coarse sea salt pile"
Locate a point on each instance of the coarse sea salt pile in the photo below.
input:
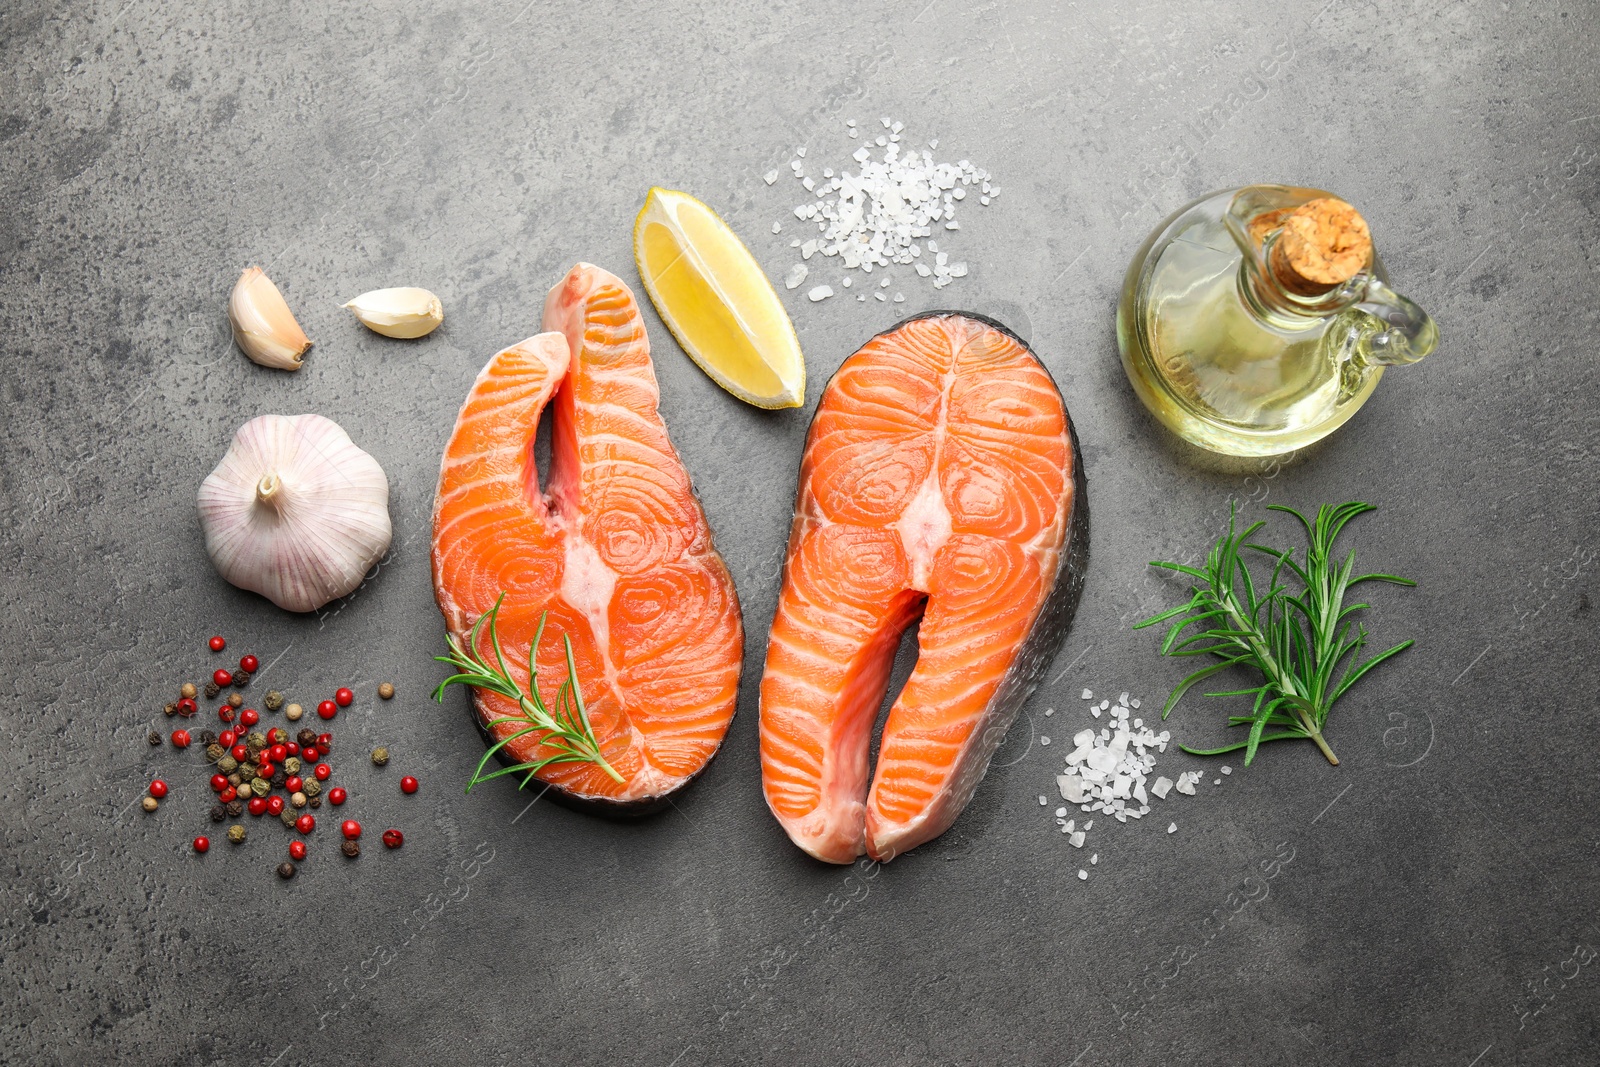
(883, 215)
(1109, 769)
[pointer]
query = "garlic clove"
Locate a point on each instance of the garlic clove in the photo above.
(403, 312)
(295, 511)
(263, 327)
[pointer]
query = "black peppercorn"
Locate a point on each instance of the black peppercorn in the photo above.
(286, 870)
(278, 778)
(315, 802)
(234, 808)
(218, 813)
(171, 709)
(154, 739)
(212, 689)
(306, 737)
(208, 737)
(351, 849)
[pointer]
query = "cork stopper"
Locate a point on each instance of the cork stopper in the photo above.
(1323, 244)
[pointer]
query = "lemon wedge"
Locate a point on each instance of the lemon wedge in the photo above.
(715, 299)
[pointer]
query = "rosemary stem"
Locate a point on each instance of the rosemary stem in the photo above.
(591, 752)
(1316, 735)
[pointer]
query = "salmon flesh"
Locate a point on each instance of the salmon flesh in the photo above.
(612, 545)
(940, 480)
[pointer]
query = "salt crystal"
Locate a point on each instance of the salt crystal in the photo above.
(1083, 875)
(1060, 812)
(771, 176)
(1042, 740)
(933, 143)
(821, 292)
(845, 283)
(1077, 838)
(1094, 859)
(1047, 711)
(855, 133)
(801, 151)
(1043, 800)
(1161, 787)
(1134, 702)
(796, 275)
(777, 227)
(1172, 827)
(1087, 695)
(1226, 769)
(1216, 781)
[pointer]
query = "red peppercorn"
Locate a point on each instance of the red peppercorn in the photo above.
(344, 697)
(158, 789)
(187, 706)
(408, 784)
(227, 739)
(310, 754)
(267, 768)
(278, 753)
(322, 771)
(327, 709)
(225, 713)
(180, 739)
(248, 664)
(306, 823)
(217, 644)
(274, 805)
(293, 783)
(324, 741)
(393, 838)
(297, 850)
(249, 716)
(257, 805)
(228, 795)
(201, 844)
(292, 748)
(218, 783)
(222, 677)
(240, 753)
(350, 829)
(336, 795)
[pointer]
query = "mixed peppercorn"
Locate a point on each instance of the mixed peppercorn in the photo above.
(268, 773)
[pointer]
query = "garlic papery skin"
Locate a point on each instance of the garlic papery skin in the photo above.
(405, 312)
(295, 511)
(263, 327)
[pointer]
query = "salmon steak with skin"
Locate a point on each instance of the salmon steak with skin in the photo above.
(613, 548)
(940, 480)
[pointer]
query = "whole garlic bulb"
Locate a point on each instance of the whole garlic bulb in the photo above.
(295, 511)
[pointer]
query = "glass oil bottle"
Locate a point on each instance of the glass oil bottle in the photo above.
(1256, 321)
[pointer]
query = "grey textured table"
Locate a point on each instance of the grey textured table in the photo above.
(1442, 888)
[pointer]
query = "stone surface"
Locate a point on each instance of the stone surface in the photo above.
(1443, 878)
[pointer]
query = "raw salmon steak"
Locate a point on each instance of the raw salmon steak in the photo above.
(941, 480)
(613, 546)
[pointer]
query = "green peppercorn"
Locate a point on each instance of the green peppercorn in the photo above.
(215, 752)
(274, 700)
(236, 834)
(380, 756)
(311, 787)
(227, 764)
(288, 817)
(260, 786)
(255, 742)
(292, 764)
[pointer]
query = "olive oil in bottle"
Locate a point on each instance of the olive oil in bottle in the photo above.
(1258, 320)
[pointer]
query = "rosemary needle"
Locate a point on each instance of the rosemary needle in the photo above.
(566, 730)
(1295, 642)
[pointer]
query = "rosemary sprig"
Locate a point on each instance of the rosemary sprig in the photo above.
(567, 731)
(1295, 642)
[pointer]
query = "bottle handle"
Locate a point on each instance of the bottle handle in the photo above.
(1391, 330)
